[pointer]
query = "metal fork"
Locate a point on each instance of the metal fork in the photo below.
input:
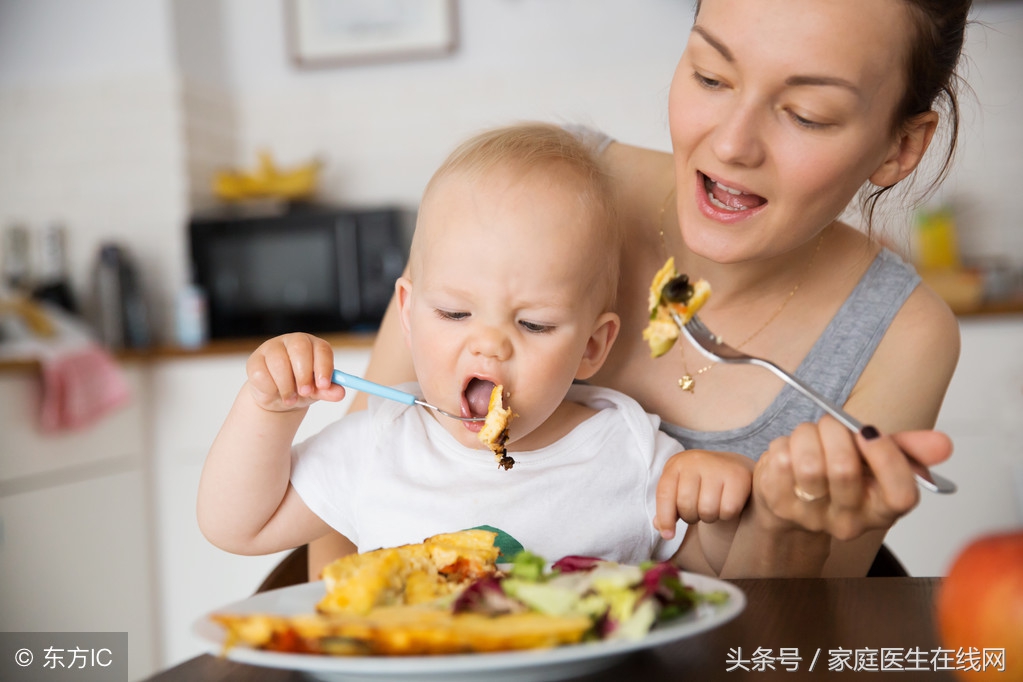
(714, 348)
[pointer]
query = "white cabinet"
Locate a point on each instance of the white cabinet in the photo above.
(97, 527)
(75, 523)
(191, 397)
(983, 413)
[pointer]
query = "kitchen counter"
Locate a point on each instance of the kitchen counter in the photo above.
(1013, 306)
(357, 340)
(213, 348)
(228, 346)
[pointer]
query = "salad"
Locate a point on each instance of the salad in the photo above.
(623, 601)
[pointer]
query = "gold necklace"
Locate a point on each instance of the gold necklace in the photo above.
(688, 382)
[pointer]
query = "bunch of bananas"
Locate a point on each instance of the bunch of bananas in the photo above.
(267, 181)
(31, 313)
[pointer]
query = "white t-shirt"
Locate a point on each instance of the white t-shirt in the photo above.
(392, 475)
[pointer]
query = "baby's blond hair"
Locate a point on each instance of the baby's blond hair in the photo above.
(541, 147)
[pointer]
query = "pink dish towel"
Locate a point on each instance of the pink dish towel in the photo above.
(80, 386)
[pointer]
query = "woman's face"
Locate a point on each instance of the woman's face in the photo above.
(779, 112)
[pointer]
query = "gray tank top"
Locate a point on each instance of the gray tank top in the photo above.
(595, 140)
(832, 366)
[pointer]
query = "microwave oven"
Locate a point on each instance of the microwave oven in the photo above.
(313, 269)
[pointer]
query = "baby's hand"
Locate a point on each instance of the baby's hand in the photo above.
(291, 372)
(697, 485)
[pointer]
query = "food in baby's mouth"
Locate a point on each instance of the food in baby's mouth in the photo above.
(494, 433)
(671, 292)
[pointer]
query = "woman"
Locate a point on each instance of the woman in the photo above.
(780, 113)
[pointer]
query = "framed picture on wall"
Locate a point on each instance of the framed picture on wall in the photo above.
(340, 32)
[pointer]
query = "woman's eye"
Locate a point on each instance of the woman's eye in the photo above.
(451, 314)
(706, 81)
(804, 122)
(535, 328)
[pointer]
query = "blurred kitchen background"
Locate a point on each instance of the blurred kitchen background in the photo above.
(117, 117)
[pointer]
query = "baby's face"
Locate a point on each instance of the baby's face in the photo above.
(503, 291)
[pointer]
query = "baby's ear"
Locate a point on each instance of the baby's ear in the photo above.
(907, 149)
(605, 331)
(403, 292)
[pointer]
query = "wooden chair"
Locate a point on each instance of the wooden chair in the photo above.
(887, 565)
(293, 569)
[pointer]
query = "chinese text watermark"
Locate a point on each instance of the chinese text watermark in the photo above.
(840, 659)
(68, 656)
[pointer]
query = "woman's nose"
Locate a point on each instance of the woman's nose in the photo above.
(490, 341)
(737, 138)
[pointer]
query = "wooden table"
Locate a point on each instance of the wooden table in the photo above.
(786, 624)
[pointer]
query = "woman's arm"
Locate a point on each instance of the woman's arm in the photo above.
(901, 390)
(867, 482)
(782, 535)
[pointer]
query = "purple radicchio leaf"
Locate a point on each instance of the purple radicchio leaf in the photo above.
(655, 579)
(486, 596)
(574, 563)
(663, 582)
(605, 625)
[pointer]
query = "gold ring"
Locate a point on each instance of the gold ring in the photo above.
(805, 496)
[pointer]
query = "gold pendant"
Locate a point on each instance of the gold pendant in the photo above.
(687, 383)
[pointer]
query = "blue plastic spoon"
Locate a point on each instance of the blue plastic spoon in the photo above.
(359, 384)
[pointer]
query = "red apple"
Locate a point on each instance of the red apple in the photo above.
(980, 604)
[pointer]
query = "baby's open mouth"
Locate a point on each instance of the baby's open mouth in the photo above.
(728, 198)
(477, 396)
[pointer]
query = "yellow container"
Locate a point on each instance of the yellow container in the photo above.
(937, 246)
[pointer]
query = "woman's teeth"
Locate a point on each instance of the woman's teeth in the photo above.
(718, 204)
(712, 185)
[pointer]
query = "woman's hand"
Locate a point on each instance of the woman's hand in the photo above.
(825, 479)
(291, 372)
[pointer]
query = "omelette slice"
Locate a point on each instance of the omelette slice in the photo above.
(671, 292)
(440, 566)
(401, 631)
(494, 433)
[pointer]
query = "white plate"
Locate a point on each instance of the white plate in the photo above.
(520, 666)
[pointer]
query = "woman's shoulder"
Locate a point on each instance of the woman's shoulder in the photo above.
(924, 314)
(926, 322)
(643, 180)
(642, 176)
(916, 358)
(646, 171)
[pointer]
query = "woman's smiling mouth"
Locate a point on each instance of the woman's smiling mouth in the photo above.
(729, 198)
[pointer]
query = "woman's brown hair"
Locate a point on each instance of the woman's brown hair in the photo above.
(932, 80)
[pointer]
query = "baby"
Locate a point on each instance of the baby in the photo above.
(512, 278)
